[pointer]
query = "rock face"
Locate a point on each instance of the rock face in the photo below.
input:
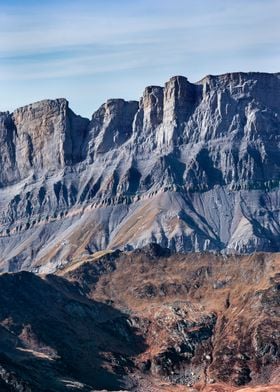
(189, 166)
(40, 139)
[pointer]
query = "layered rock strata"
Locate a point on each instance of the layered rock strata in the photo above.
(192, 166)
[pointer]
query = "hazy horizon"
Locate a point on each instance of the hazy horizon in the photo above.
(90, 51)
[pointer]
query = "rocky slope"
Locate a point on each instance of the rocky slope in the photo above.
(53, 338)
(189, 166)
(144, 321)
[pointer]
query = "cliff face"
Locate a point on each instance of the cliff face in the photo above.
(40, 138)
(190, 166)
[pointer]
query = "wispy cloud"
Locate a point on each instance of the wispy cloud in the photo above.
(67, 40)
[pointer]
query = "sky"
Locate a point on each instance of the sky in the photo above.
(90, 50)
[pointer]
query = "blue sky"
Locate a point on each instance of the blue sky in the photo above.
(91, 50)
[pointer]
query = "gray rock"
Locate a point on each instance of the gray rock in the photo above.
(191, 166)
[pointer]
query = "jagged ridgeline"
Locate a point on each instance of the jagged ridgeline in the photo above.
(190, 166)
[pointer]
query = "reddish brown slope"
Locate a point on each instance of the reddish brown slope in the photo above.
(144, 321)
(206, 318)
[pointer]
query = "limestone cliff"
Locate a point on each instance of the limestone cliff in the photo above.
(192, 166)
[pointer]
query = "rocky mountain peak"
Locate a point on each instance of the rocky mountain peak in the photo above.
(191, 166)
(40, 138)
(111, 125)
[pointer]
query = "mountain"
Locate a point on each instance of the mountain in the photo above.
(144, 321)
(191, 166)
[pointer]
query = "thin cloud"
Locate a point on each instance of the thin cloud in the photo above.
(67, 40)
(34, 31)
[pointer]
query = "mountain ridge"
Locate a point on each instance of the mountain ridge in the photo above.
(201, 159)
(144, 320)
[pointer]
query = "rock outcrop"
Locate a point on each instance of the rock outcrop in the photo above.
(189, 166)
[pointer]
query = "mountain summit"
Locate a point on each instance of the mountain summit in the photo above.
(191, 166)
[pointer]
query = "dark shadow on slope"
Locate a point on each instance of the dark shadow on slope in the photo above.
(54, 333)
